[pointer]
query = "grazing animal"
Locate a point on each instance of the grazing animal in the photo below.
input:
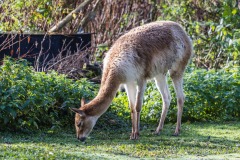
(145, 52)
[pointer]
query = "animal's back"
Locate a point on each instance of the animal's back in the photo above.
(149, 50)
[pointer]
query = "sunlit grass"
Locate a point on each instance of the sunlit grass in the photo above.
(198, 140)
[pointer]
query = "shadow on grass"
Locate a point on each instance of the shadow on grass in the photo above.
(199, 139)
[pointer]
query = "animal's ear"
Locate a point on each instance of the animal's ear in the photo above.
(82, 102)
(80, 112)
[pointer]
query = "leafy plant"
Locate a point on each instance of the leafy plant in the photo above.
(35, 16)
(30, 99)
(213, 26)
(210, 96)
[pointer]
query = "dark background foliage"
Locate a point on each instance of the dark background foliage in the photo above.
(212, 24)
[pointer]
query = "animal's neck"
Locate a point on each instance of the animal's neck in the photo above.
(102, 101)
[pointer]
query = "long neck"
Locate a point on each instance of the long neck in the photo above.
(102, 101)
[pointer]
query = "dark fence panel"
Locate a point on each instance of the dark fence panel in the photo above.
(44, 46)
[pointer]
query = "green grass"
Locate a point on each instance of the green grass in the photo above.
(197, 141)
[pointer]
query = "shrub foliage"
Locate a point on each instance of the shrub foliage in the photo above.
(210, 96)
(29, 99)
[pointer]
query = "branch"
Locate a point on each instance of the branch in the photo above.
(90, 16)
(69, 17)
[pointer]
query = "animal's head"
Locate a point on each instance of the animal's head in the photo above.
(83, 122)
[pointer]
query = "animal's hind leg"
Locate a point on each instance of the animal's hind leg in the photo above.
(161, 82)
(177, 78)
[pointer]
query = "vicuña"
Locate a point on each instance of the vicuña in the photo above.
(145, 52)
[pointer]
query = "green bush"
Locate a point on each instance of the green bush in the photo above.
(213, 27)
(210, 96)
(30, 99)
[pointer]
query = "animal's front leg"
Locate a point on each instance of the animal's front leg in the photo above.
(135, 129)
(137, 109)
(131, 89)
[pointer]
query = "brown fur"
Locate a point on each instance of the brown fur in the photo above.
(143, 53)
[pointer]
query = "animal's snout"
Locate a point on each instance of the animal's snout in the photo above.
(82, 139)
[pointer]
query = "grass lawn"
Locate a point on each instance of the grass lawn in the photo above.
(197, 141)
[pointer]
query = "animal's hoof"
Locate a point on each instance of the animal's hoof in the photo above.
(134, 136)
(175, 134)
(156, 133)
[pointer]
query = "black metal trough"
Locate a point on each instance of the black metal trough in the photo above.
(43, 47)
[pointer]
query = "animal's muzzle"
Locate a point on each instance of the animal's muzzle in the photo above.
(82, 139)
